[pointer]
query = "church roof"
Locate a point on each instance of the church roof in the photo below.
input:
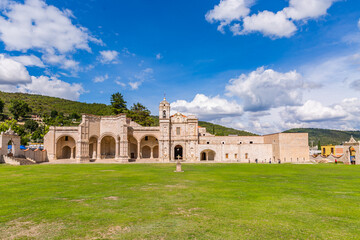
(164, 101)
(352, 140)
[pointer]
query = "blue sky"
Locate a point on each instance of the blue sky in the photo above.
(263, 66)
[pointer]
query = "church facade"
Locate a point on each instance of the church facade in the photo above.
(119, 139)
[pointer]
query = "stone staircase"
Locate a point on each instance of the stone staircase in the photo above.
(17, 161)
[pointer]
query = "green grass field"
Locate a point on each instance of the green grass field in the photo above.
(207, 201)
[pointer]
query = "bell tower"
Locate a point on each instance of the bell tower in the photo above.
(164, 122)
(164, 110)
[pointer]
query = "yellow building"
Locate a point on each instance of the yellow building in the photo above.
(334, 150)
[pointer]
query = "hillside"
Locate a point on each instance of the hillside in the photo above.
(44, 105)
(219, 130)
(327, 136)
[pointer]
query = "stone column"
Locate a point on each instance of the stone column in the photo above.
(117, 149)
(152, 153)
(72, 153)
(138, 150)
(98, 150)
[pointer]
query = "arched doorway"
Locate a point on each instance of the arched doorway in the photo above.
(66, 152)
(207, 155)
(11, 148)
(203, 156)
(146, 152)
(178, 152)
(65, 148)
(108, 147)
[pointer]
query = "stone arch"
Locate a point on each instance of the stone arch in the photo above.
(207, 155)
(107, 134)
(65, 147)
(108, 147)
(145, 152)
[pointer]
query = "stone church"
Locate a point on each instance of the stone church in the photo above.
(119, 139)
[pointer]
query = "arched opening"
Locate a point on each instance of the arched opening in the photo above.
(156, 152)
(146, 152)
(178, 152)
(203, 156)
(65, 148)
(93, 147)
(108, 146)
(164, 114)
(207, 155)
(148, 144)
(211, 155)
(132, 150)
(66, 152)
(11, 148)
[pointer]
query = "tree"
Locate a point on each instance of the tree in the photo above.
(37, 135)
(31, 125)
(19, 108)
(118, 104)
(74, 116)
(53, 114)
(140, 114)
(2, 105)
(319, 146)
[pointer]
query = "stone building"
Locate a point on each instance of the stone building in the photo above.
(119, 139)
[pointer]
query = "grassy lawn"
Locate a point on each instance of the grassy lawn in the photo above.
(207, 201)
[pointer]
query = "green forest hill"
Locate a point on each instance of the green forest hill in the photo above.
(43, 105)
(326, 136)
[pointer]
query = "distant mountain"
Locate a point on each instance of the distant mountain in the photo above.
(326, 136)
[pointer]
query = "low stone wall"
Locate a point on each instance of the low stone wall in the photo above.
(37, 155)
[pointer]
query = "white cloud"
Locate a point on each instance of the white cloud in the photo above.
(227, 11)
(4, 4)
(235, 13)
(36, 25)
(29, 60)
(135, 85)
(207, 108)
(118, 82)
(108, 57)
(100, 79)
(159, 56)
(268, 23)
(264, 89)
(12, 72)
(142, 76)
(304, 9)
(313, 111)
(52, 87)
